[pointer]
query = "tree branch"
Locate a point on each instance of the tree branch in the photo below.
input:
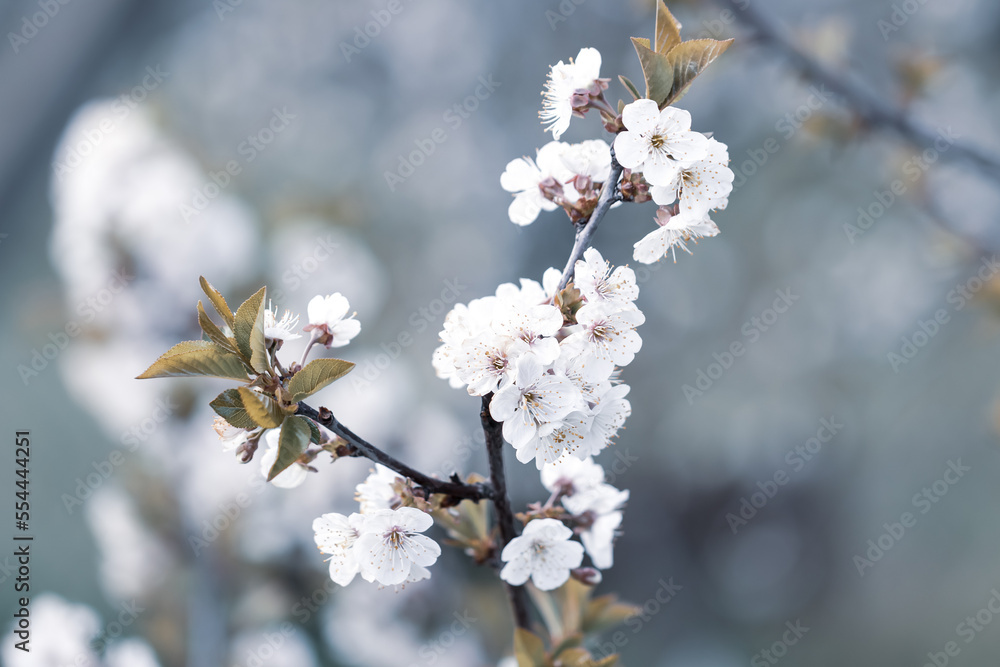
(584, 232)
(492, 429)
(454, 488)
(868, 105)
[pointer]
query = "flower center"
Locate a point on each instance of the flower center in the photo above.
(657, 141)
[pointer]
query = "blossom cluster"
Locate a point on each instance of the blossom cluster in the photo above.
(551, 370)
(330, 326)
(381, 542)
(545, 552)
(685, 172)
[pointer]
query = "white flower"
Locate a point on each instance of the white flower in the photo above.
(572, 475)
(231, 436)
(564, 80)
(328, 314)
(462, 323)
(607, 335)
(534, 325)
(599, 284)
(391, 545)
(524, 176)
(378, 491)
(702, 187)
(661, 143)
(288, 478)
(599, 506)
(487, 363)
(571, 435)
(673, 232)
(282, 329)
(590, 158)
(536, 405)
(583, 369)
(599, 538)
(543, 553)
(336, 535)
(610, 412)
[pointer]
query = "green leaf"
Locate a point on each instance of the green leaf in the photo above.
(688, 60)
(633, 91)
(668, 29)
(263, 410)
(314, 434)
(656, 70)
(529, 649)
(218, 301)
(229, 406)
(197, 357)
(249, 331)
(214, 333)
(292, 442)
(317, 374)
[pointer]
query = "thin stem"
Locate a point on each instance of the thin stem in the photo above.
(492, 429)
(862, 100)
(453, 488)
(585, 231)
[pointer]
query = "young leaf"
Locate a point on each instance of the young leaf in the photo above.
(314, 434)
(214, 333)
(633, 91)
(218, 301)
(249, 330)
(263, 410)
(229, 406)
(529, 649)
(292, 442)
(688, 60)
(656, 70)
(317, 374)
(197, 357)
(668, 29)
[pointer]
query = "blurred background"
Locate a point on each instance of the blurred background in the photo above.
(147, 143)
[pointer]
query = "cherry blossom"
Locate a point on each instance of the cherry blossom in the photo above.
(564, 80)
(336, 535)
(608, 335)
(525, 178)
(674, 232)
(536, 405)
(702, 187)
(280, 330)
(661, 143)
(328, 317)
(598, 283)
(544, 553)
(391, 546)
